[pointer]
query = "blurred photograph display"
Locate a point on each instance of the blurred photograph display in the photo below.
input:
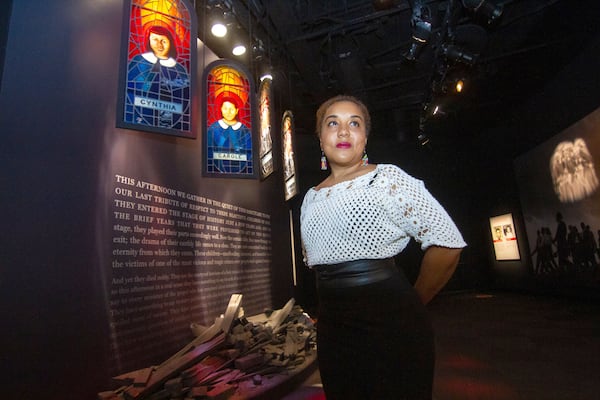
(289, 156)
(266, 139)
(228, 141)
(560, 198)
(157, 85)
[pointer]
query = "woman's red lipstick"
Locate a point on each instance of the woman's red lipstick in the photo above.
(343, 145)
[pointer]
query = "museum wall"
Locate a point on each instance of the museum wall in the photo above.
(113, 240)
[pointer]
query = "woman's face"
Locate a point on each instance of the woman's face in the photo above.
(343, 133)
(160, 45)
(229, 112)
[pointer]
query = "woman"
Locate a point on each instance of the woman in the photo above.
(158, 87)
(374, 337)
(229, 140)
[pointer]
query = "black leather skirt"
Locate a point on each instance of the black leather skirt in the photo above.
(374, 337)
(354, 273)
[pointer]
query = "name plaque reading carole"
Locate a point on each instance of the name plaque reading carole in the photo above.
(176, 258)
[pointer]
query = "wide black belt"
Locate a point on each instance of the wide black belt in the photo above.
(354, 273)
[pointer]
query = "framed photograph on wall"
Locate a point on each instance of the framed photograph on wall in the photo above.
(228, 121)
(158, 65)
(504, 237)
(265, 108)
(289, 155)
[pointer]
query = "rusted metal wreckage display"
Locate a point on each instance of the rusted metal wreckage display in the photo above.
(237, 358)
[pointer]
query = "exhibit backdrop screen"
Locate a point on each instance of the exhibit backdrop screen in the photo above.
(560, 199)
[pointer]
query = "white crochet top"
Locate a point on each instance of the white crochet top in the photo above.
(373, 216)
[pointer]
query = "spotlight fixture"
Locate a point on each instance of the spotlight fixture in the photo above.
(437, 111)
(421, 31)
(458, 54)
(219, 18)
(267, 76)
(239, 49)
(265, 70)
(485, 8)
(218, 29)
(258, 50)
(459, 85)
(239, 41)
(423, 138)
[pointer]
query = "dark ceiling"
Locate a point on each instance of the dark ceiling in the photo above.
(362, 47)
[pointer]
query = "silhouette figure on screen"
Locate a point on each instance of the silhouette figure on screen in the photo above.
(562, 246)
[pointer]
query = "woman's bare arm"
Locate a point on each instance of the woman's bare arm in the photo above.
(437, 267)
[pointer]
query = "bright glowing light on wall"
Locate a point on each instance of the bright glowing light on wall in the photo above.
(459, 86)
(219, 30)
(238, 50)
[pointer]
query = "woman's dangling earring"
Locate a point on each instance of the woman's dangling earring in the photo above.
(365, 158)
(323, 161)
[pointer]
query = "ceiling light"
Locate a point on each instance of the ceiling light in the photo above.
(239, 49)
(220, 18)
(485, 8)
(459, 85)
(423, 138)
(421, 31)
(266, 76)
(258, 50)
(456, 53)
(239, 42)
(265, 70)
(218, 29)
(437, 111)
